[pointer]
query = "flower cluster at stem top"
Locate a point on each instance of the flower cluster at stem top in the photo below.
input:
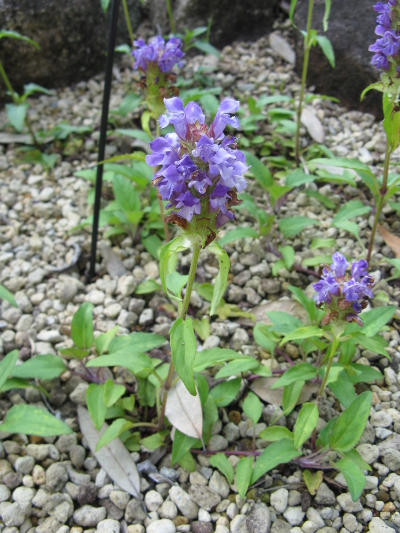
(344, 294)
(201, 168)
(386, 47)
(157, 52)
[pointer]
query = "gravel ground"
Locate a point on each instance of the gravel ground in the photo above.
(55, 484)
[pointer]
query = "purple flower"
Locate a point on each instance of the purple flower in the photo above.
(325, 289)
(157, 52)
(202, 170)
(359, 268)
(384, 14)
(387, 46)
(339, 265)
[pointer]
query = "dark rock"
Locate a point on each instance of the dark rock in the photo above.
(201, 527)
(87, 494)
(351, 31)
(230, 19)
(72, 37)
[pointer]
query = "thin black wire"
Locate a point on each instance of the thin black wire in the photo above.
(103, 133)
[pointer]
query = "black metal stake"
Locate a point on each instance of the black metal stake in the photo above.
(103, 134)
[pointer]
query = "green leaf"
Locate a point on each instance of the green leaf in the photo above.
(130, 103)
(288, 255)
(252, 407)
(125, 195)
(264, 338)
(7, 365)
(303, 372)
(40, 367)
(95, 404)
(369, 343)
(317, 260)
(283, 323)
(274, 433)
(350, 425)
(147, 287)
(138, 342)
(207, 48)
(188, 463)
(7, 296)
(237, 366)
(313, 480)
(291, 394)
(154, 441)
(31, 420)
(298, 177)
(179, 244)
(244, 470)
(305, 423)
(326, 15)
(303, 333)
(351, 227)
(347, 352)
(225, 393)
(135, 362)
(320, 198)
(391, 123)
(16, 115)
(104, 4)
(236, 234)
(75, 353)
(112, 392)
(82, 326)
(327, 49)
(290, 227)
(342, 162)
(363, 373)
(31, 88)
(113, 431)
(375, 319)
(102, 342)
(181, 445)
(17, 383)
(352, 209)
(152, 243)
(355, 479)
(353, 455)
(293, 4)
(183, 350)
(343, 389)
(210, 416)
(259, 170)
(307, 303)
(279, 452)
(176, 283)
(202, 327)
(221, 462)
(214, 356)
(222, 278)
(15, 35)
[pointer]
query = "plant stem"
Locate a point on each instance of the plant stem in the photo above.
(171, 17)
(128, 21)
(307, 48)
(182, 314)
(8, 84)
(379, 201)
(31, 131)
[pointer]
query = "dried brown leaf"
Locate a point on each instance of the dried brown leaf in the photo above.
(114, 458)
(390, 239)
(184, 411)
(262, 387)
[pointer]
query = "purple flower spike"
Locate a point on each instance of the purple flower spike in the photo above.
(340, 264)
(359, 268)
(388, 45)
(166, 56)
(222, 118)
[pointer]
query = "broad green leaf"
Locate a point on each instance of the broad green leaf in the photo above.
(40, 367)
(326, 15)
(351, 423)
(125, 195)
(347, 351)
(214, 356)
(291, 394)
(316, 260)
(75, 353)
(138, 341)
(222, 277)
(391, 123)
(262, 370)
(102, 342)
(298, 177)
(263, 338)
(221, 462)
(303, 372)
(187, 462)
(7, 296)
(353, 455)
(31, 88)
(210, 416)
(82, 326)
(369, 343)
(225, 393)
(355, 479)
(321, 198)
(147, 287)
(283, 323)
(290, 227)
(202, 327)
(16, 115)
(127, 403)
(375, 319)
(31, 420)
(307, 303)
(95, 404)
(362, 373)
(17, 383)
(154, 441)
(135, 362)
(113, 431)
(237, 366)
(303, 333)
(293, 4)
(277, 453)
(351, 227)
(236, 234)
(7, 365)
(104, 4)
(244, 470)
(342, 162)
(313, 480)
(176, 282)
(343, 389)
(11, 34)
(274, 433)
(183, 351)
(325, 433)
(152, 243)
(259, 170)
(322, 243)
(112, 392)
(288, 255)
(252, 407)
(352, 209)
(181, 445)
(176, 245)
(305, 423)
(326, 48)
(207, 48)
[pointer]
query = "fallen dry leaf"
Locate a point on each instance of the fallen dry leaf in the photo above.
(184, 411)
(262, 387)
(390, 239)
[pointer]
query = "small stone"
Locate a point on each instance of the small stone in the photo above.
(77, 455)
(259, 519)
(56, 477)
(280, 526)
(153, 500)
(391, 458)
(350, 522)
(146, 317)
(167, 510)
(239, 524)
(185, 504)
(13, 514)
(218, 443)
(113, 310)
(136, 528)
(126, 285)
(108, 526)
(5, 493)
(78, 395)
(24, 465)
(134, 511)
(38, 451)
(204, 496)
(202, 527)
(381, 419)
(324, 495)
(23, 494)
(369, 452)
(279, 500)
(88, 516)
(161, 526)
(50, 525)
(294, 515)
(39, 475)
(121, 499)
(377, 525)
(347, 504)
(219, 484)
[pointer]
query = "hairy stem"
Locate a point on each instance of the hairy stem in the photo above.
(182, 314)
(170, 17)
(379, 201)
(128, 21)
(307, 48)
